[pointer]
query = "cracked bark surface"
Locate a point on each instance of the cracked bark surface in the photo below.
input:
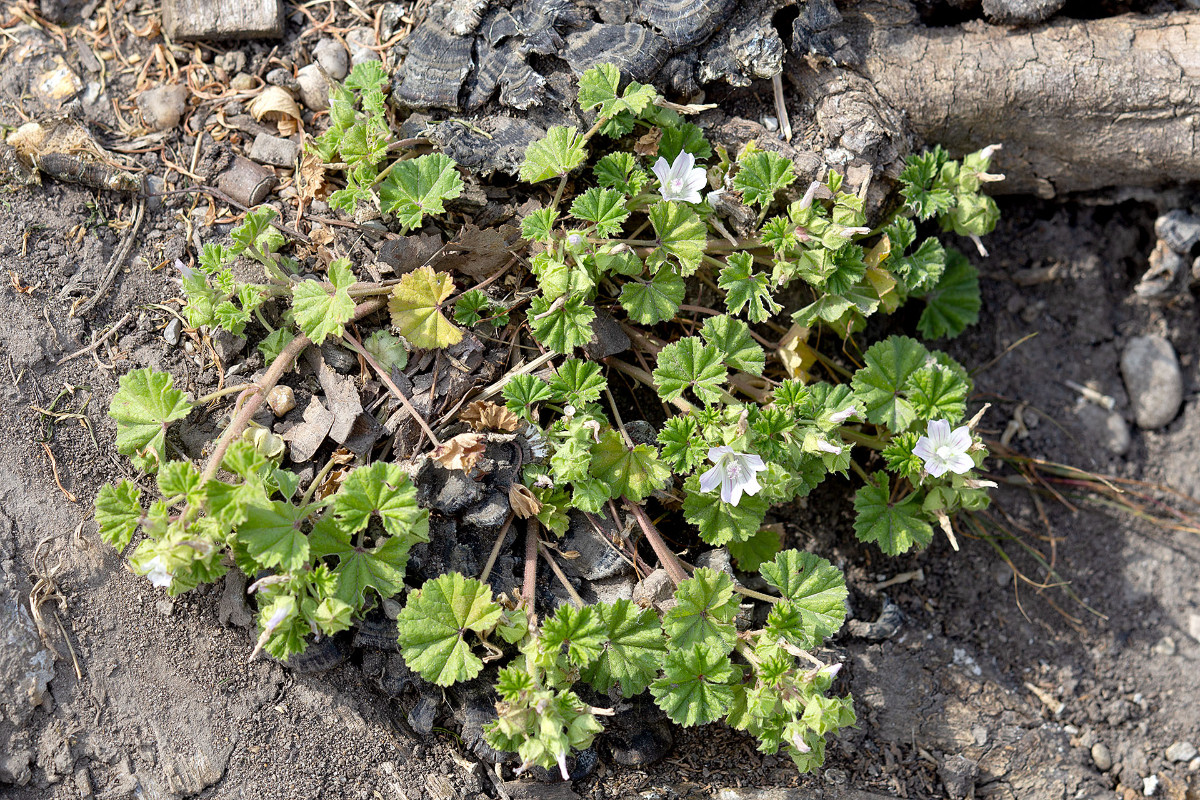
(1078, 105)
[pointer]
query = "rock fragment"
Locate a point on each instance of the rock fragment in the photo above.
(184, 20)
(1179, 229)
(1021, 12)
(314, 87)
(333, 58)
(1101, 757)
(274, 150)
(1153, 380)
(1181, 751)
(162, 107)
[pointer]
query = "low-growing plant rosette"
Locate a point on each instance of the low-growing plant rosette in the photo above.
(744, 425)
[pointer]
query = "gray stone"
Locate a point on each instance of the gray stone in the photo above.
(314, 87)
(489, 513)
(1179, 229)
(593, 557)
(360, 41)
(1153, 380)
(172, 331)
(1108, 428)
(958, 775)
(1150, 785)
(607, 338)
(333, 57)
(1101, 757)
(654, 590)
(1181, 751)
(1021, 12)
(274, 150)
(284, 79)
(162, 107)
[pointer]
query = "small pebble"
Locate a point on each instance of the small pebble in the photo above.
(770, 123)
(1179, 229)
(1002, 573)
(242, 82)
(360, 41)
(1101, 757)
(1150, 785)
(171, 332)
(165, 607)
(274, 151)
(836, 776)
(281, 399)
(333, 57)
(1194, 765)
(314, 87)
(284, 79)
(162, 107)
(1020, 12)
(1181, 751)
(1153, 380)
(1165, 647)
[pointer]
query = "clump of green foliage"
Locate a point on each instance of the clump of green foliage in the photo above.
(744, 435)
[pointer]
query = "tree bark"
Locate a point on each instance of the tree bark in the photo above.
(1078, 105)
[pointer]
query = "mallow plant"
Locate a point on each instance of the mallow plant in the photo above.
(696, 253)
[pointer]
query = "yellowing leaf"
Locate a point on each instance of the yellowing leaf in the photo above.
(797, 357)
(461, 452)
(416, 308)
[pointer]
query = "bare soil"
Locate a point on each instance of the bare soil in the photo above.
(989, 685)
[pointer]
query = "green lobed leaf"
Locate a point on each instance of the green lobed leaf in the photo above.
(633, 651)
(145, 404)
(690, 364)
(954, 302)
(577, 382)
(604, 208)
(274, 344)
(880, 383)
(746, 289)
(272, 536)
(754, 551)
(738, 348)
(382, 489)
(895, 526)
(814, 587)
(419, 186)
(317, 312)
(620, 171)
(578, 631)
(762, 174)
(683, 448)
(654, 301)
(704, 612)
(538, 225)
(561, 326)
(601, 86)
(680, 234)
(360, 567)
(559, 152)
(388, 349)
(722, 523)
(433, 624)
(938, 391)
(416, 309)
(118, 512)
(685, 137)
(695, 687)
(524, 392)
(632, 473)
(470, 307)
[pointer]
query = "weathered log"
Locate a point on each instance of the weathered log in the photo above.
(1078, 105)
(185, 20)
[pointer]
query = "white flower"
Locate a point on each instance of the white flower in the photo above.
(574, 240)
(838, 417)
(826, 446)
(734, 472)
(157, 573)
(944, 450)
(680, 181)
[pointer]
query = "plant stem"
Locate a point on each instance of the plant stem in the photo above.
(558, 573)
(487, 568)
(858, 437)
(530, 582)
(666, 556)
(357, 347)
(640, 375)
(258, 393)
(228, 390)
(742, 590)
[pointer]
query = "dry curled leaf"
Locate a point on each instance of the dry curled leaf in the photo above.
(276, 105)
(343, 459)
(482, 415)
(522, 501)
(461, 452)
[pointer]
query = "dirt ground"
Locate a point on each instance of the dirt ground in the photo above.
(986, 686)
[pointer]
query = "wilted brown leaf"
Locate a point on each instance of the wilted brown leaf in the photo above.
(483, 415)
(480, 252)
(461, 452)
(522, 501)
